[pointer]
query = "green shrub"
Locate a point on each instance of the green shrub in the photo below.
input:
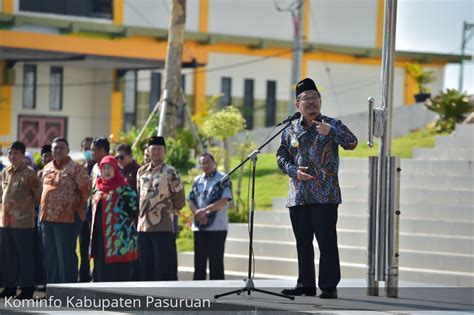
(452, 107)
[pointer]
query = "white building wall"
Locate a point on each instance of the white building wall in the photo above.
(257, 18)
(259, 69)
(87, 106)
(156, 13)
(144, 81)
(101, 103)
(343, 22)
(346, 87)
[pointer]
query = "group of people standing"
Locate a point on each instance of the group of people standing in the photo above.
(124, 215)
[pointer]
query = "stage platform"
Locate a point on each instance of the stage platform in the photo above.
(198, 296)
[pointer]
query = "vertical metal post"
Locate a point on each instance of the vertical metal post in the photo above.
(465, 38)
(370, 142)
(388, 55)
(372, 285)
(297, 53)
(393, 224)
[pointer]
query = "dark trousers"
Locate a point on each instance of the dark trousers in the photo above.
(319, 220)
(40, 275)
(209, 245)
(107, 272)
(158, 256)
(18, 257)
(84, 240)
(59, 242)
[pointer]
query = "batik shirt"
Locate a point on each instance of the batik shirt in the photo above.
(302, 146)
(207, 190)
(161, 194)
(65, 192)
(21, 193)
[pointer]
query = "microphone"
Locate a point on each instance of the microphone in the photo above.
(290, 118)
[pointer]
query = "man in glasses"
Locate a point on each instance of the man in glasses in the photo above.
(308, 153)
(128, 164)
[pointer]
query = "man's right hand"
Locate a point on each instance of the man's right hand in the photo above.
(301, 175)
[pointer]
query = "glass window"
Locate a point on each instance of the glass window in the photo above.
(56, 88)
(270, 108)
(248, 102)
(226, 90)
(29, 86)
(155, 89)
(90, 8)
(130, 99)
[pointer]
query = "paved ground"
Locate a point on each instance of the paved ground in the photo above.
(198, 296)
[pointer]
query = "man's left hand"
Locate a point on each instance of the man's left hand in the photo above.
(200, 214)
(323, 127)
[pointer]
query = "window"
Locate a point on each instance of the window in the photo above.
(155, 89)
(270, 108)
(130, 99)
(29, 86)
(89, 8)
(248, 102)
(56, 88)
(226, 90)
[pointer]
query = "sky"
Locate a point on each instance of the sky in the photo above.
(436, 26)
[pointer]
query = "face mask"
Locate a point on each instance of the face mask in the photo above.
(88, 155)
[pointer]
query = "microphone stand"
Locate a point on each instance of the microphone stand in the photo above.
(249, 285)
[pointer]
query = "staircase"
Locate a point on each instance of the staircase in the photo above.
(436, 223)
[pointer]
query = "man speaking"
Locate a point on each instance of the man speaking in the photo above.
(308, 154)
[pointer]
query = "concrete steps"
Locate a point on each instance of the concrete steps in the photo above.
(411, 167)
(428, 210)
(288, 268)
(457, 146)
(444, 154)
(358, 238)
(358, 255)
(411, 180)
(464, 130)
(359, 222)
(436, 224)
(455, 141)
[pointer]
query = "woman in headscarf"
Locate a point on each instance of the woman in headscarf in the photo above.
(114, 233)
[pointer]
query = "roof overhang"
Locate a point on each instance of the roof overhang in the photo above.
(137, 46)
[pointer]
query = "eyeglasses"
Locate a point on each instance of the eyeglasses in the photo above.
(120, 157)
(309, 99)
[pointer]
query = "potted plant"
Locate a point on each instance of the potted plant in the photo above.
(421, 77)
(452, 107)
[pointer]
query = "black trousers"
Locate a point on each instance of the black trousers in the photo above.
(84, 240)
(107, 272)
(158, 256)
(318, 220)
(209, 245)
(38, 253)
(18, 259)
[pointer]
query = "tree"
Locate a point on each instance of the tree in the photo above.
(222, 125)
(173, 64)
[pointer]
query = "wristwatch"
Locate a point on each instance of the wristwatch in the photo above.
(207, 212)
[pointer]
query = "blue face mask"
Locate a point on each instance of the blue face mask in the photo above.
(88, 155)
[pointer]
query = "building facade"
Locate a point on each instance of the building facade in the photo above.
(94, 67)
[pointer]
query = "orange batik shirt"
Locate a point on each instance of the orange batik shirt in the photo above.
(65, 191)
(21, 193)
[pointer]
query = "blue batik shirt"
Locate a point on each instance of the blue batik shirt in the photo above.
(301, 146)
(201, 190)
